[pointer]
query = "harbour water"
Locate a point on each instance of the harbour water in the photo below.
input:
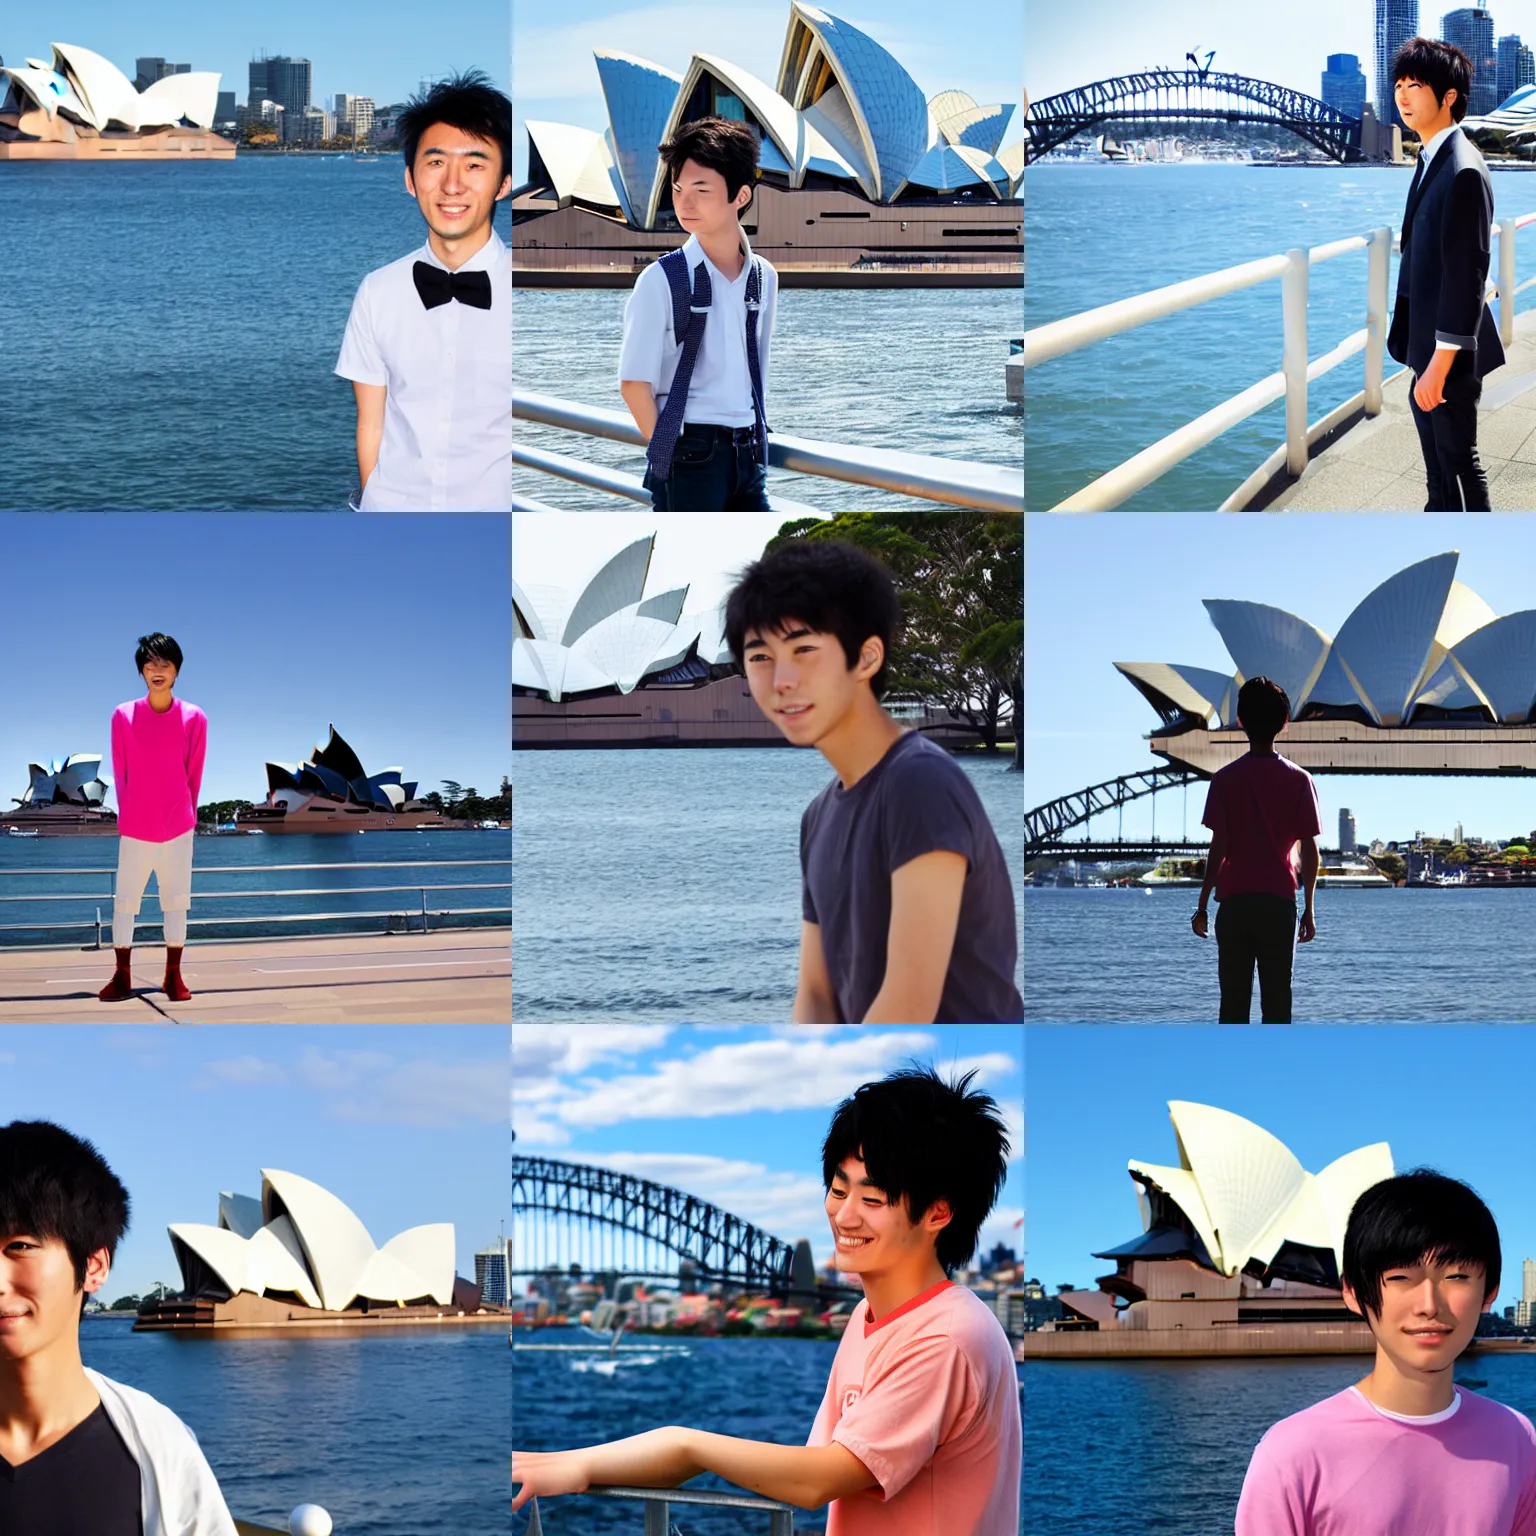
(248, 862)
(665, 885)
(1159, 1447)
(1098, 233)
(193, 328)
(911, 369)
(401, 1436)
(1128, 955)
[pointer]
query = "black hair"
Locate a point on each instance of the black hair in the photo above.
(468, 102)
(720, 143)
(922, 1139)
(833, 587)
(1419, 1217)
(55, 1185)
(1263, 707)
(1440, 66)
(157, 645)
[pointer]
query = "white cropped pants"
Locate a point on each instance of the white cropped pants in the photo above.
(171, 865)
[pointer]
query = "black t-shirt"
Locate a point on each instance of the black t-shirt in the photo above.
(86, 1484)
(915, 800)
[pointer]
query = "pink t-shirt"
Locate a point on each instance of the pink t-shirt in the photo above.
(1347, 1468)
(928, 1400)
(1263, 803)
(157, 767)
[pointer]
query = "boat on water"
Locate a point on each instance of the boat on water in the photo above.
(1339, 871)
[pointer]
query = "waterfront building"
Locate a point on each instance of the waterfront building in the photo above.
(1396, 22)
(1241, 1252)
(354, 115)
(859, 172)
(1517, 66)
(67, 795)
(148, 70)
(313, 126)
(492, 1269)
(225, 112)
(284, 80)
(1346, 831)
(1471, 30)
(1344, 84)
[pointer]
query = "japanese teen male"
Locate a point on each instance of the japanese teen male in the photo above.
(906, 906)
(428, 345)
(694, 365)
(919, 1431)
(158, 746)
(79, 1453)
(1404, 1450)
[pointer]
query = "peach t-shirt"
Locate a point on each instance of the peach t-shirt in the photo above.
(928, 1400)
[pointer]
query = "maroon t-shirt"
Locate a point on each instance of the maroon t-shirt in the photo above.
(1264, 804)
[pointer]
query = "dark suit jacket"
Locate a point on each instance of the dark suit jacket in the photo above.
(1444, 267)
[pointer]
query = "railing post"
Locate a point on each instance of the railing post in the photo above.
(98, 927)
(1379, 268)
(1293, 300)
(424, 922)
(1507, 281)
(781, 1523)
(656, 1521)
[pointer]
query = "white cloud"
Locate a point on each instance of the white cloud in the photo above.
(242, 1071)
(549, 1050)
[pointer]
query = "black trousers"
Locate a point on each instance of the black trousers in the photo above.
(1255, 929)
(1448, 438)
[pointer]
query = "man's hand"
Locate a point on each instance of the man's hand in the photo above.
(1429, 387)
(547, 1473)
(1308, 930)
(925, 916)
(1200, 922)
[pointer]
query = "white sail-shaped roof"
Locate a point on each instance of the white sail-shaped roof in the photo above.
(617, 583)
(276, 1263)
(46, 88)
(1269, 642)
(1449, 687)
(1183, 1188)
(106, 93)
(336, 1244)
(240, 1214)
(952, 103)
(1196, 690)
(579, 162)
(977, 127)
(948, 167)
(192, 96)
(625, 646)
(641, 97)
(1501, 656)
(1011, 158)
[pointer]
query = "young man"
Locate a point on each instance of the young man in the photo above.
(1260, 810)
(906, 906)
(1405, 1450)
(694, 367)
(919, 1430)
(1442, 327)
(78, 1453)
(429, 342)
(158, 746)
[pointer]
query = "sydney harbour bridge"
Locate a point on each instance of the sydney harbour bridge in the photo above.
(1190, 96)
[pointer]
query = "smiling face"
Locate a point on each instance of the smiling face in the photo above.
(800, 678)
(39, 1297)
(1428, 1314)
(701, 202)
(457, 180)
(873, 1234)
(159, 674)
(1418, 106)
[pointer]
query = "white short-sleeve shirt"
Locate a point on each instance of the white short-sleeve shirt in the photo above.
(720, 391)
(447, 443)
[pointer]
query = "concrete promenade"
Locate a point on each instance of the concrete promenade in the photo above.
(1376, 463)
(458, 976)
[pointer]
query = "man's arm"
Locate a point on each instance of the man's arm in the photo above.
(370, 427)
(1465, 239)
(807, 1476)
(815, 997)
(925, 913)
(1310, 864)
(197, 751)
(119, 757)
(641, 400)
(1201, 921)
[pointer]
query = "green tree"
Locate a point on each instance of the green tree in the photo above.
(1392, 865)
(125, 1304)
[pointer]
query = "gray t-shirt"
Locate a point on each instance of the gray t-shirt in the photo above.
(915, 800)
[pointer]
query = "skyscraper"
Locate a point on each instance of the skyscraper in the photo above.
(1517, 66)
(491, 1275)
(354, 115)
(148, 70)
(1396, 22)
(283, 80)
(1346, 831)
(1471, 30)
(1344, 84)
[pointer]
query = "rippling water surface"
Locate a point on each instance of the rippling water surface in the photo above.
(1098, 233)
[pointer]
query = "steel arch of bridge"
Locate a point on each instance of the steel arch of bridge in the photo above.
(1044, 825)
(723, 1247)
(1184, 95)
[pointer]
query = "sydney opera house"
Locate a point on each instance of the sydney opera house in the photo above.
(77, 105)
(863, 180)
(64, 797)
(1509, 131)
(1422, 678)
(1240, 1252)
(298, 1255)
(333, 792)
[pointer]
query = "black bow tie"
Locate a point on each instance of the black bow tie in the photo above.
(437, 286)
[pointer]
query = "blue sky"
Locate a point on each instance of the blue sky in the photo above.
(383, 48)
(1071, 45)
(405, 1125)
(397, 630)
(555, 78)
(1128, 587)
(1454, 1098)
(737, 1116)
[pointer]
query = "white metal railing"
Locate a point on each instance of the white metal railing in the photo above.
(1060, 337)
(658, 1502)
(954, 482)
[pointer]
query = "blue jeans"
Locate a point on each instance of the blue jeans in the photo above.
(1255, 929)
(713, 470)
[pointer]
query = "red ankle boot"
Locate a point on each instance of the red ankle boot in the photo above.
(120, 988)
(175, 987)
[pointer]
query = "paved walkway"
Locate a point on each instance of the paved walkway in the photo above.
(1376, 465)
(459, 976)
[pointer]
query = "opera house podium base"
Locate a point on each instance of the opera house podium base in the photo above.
(171, 144)
(248, 1316)
(1300, 1338)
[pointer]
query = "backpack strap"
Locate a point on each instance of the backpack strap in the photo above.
(690, 315)
(754, 366)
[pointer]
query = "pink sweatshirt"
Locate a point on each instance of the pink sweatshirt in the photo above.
(157, 764)
(1347, 1468)
(928, 1400)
